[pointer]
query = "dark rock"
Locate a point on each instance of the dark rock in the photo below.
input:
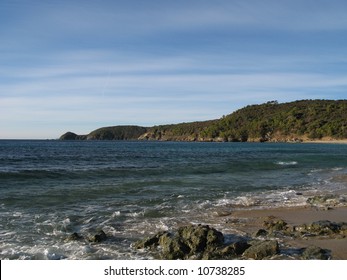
(201, 237)
(99, 237)
(188, 241)
(228, 252)
(174, 248)
(150, 242)
(240, 247)
(315, 253)
(260, 232)
(322, 228)
(262, 250)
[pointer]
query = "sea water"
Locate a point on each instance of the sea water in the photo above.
(51, 189)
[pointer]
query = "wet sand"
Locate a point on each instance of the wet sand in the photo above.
(252, 220)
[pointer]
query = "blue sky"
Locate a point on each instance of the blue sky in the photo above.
(80, 65)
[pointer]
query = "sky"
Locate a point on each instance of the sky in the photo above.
(77, 65)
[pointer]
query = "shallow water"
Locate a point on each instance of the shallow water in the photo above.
(50, 189)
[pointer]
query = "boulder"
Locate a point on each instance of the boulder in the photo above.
(201, 237)
(174, 248)
(260, 233)
(99, 237)
(273, 224)
(262, 250)
(189, 241)
(315, 253)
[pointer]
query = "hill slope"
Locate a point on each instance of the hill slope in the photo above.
(305, 119)
(293, 121)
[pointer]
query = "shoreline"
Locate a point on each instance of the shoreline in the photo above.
(251, 220)
(342, 141)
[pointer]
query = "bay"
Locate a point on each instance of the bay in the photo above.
(51, 189)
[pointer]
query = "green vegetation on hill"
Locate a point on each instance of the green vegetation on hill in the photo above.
(127, 132)
(293, 121)
(177, 132)
(305, 119)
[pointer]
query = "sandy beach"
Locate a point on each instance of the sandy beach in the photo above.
(294, 216)
(323, 141)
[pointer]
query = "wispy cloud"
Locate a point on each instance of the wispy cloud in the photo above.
(68, 65)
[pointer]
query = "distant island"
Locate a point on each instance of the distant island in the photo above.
(298, 121)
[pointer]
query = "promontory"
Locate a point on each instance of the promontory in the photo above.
(298, 121)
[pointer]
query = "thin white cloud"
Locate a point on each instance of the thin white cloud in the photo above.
(93, 63)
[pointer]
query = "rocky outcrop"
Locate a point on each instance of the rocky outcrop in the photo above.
(207, 243)
(97, 237)
(322, 228)
(326, 201)
(190, 242)
(278, 228)
(204, 242)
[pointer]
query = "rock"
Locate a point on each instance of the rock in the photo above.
(189, 241)
(272, 224)
(325, 201)
(174, 248)
(236, 248)
(315, 253)
(203, 242)
(322, 228)
(262, 250)
(260, 232)
(99, 237)
(201, 237)
(150, 242)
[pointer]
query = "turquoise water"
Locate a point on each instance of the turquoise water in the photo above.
(50, 189)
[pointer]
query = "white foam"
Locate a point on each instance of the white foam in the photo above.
(287, 162)
(116, 214)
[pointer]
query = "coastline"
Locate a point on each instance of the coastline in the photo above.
(330, 141)
(251, 220)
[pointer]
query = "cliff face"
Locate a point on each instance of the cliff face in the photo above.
(270, 122)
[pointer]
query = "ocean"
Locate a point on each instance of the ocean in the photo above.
(52, 189)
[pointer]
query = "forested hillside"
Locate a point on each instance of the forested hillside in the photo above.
(305, 119)
(276, 122)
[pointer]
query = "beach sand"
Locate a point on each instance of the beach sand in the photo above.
(252, 220)
(344, 141)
